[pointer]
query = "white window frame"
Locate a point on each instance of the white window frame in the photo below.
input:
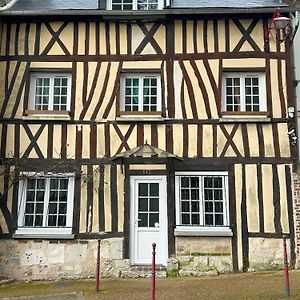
(141, 77)
(262, 91)
(135, 6)
(51, 76)
(44, 230)
(190, 230)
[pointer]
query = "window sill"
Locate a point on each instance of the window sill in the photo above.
(44, 236)
(244, 118)
(43, 233)
(46, 114)
(203, 231)
(140, 117)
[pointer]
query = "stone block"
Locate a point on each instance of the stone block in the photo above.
(75, 253)
(112, 248)
(56, 253)
(33, 257)
(122, 264)
(172, 264)
(200, 261)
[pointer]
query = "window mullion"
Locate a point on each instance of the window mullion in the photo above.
(201, 200)
(225, 202)
(51, 93)
(23, 201)
(46, 201)
(134, 4)
(243, 99)
(141, 93)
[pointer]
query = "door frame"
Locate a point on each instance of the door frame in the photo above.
(162, 179)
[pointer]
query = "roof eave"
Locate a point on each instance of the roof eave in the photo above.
(152, 14)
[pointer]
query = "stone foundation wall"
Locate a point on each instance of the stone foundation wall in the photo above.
(266, 254)
(38, 260)
(195, 256)
(199, 256)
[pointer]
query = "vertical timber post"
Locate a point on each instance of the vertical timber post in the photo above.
(286, 270)
(98, 267)
(153, 272)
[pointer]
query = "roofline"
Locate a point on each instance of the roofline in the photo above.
(152, 14)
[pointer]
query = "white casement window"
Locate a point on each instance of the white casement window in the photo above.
(244, 92)
(140, 93)
(202, 201)
(50, 91)
(135, 4)
(45, 204)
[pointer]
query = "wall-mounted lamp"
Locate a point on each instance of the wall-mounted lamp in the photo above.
(279, 27)
(291, 111)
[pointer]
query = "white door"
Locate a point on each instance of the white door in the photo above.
(149, 219)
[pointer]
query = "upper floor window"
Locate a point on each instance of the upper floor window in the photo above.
(50, 91)
(135, 4)
(201, 200)
(45, 204)
(141, 93)
(244, 92)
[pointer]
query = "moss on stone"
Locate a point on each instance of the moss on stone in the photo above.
(267, 266)
(173, 273)
(205, 254)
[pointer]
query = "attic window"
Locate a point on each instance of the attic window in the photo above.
(135, 4)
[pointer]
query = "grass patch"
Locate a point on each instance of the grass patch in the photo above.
(254, 286)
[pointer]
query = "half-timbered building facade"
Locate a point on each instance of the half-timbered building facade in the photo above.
(139, 121)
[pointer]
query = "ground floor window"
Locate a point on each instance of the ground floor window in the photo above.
(45, 203)
(202, 199)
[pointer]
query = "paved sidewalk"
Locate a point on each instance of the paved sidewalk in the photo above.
(72, 296)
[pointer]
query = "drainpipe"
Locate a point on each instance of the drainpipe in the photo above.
(296, 94)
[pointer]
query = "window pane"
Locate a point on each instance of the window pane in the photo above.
(62, 209)
(195, 206)
(195, 219)
(149, 94)
(62, 221)
(209, 219)
(219, 219)
(154, 189)
(42, 92)
(52, 208)
(143, 204)
(52, 220)
(38, 220)
(185, 206)
(147, 4)
(232, 96)
(154, 204)
(122, 4)
(143, 189)
(28, 220)
(153, 218)
(143, 220)
(186, 219)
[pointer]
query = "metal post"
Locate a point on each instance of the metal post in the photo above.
(286, 270)
(98, 267)
(153, 272)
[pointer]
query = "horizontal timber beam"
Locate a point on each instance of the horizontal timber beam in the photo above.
(146, 57)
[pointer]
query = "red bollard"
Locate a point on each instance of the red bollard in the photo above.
(153, 272)
(286, 270)
(98, 267)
